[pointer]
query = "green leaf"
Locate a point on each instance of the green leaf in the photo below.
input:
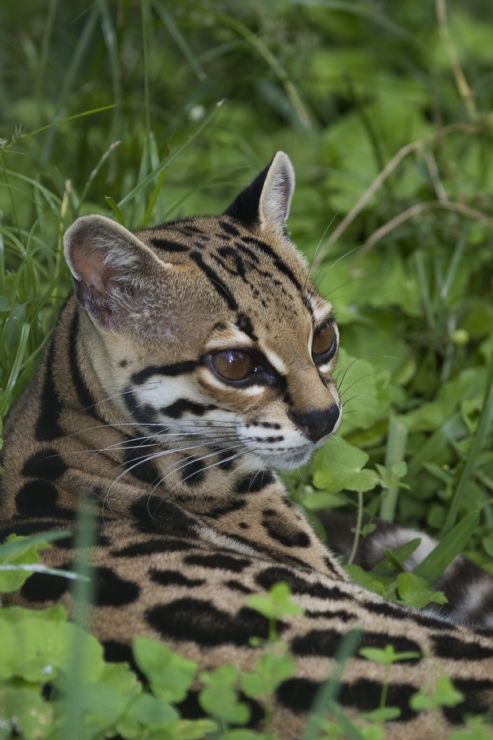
(387, 655)
(379, 584)
(219, 696)
(170, 674)
(146, 712)
(275, 604)
(270, 671)
(24, 709)
(475, 729)
(443, 695)
(416, 592)
(338, 466)
(451, 545)
(383, 714)
(47, 641)
(399, 555)
(22, 551)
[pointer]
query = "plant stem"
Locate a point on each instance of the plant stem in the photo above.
(396, 448)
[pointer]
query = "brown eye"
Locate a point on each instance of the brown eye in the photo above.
(233, 364)
(324, 341)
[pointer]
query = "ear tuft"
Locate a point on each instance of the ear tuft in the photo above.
(266, 201)
(107, 262)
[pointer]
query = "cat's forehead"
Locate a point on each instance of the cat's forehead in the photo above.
(248, 269)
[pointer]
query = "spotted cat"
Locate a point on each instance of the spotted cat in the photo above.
(192, 359)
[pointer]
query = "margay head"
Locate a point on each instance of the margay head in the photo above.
(211, 328)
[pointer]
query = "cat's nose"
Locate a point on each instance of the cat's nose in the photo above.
(316, 423)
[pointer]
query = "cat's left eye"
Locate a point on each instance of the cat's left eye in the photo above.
(233, 364)
(324, 343)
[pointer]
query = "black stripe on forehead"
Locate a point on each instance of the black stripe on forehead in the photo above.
(244, 324)
(169, 245)
(216, 282)
(278, 262)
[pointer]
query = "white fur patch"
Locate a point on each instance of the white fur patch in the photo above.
(222, 540)
(274, 359)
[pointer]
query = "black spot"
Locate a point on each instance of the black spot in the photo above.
(286, 535)
(477, 699)
(254, 482)
(143, 414)
(27, 528)
(47, 424)
(68, 543)
(45, 464)
(228, 228)
(270, 576)
(397, 612)
(216, 282)
(111, 590)
(199, 621)
(123, 363)
(298, 695)
(45, 587)
(237, 586)
(232, 262)
(168, 245)
(173, 578)
(40, 498)
(331, 566)
(152, 547)
(326, 641)
(154, 515)
(178, 368)
(449, 647)
(182, 405)
(86, 399)
(218, 560)
(365, 695)
(192, 473)
(225, 459)
(136, 464)
(226, 508)
(243, 525)
(341, 614)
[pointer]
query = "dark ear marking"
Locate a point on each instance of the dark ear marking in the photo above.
(265, 202)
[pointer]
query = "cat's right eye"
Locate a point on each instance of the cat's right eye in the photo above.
(233, 364)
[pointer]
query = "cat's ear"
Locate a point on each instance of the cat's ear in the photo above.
(109, 265)
(265, 202)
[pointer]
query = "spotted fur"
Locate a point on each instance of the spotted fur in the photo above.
(127, 413)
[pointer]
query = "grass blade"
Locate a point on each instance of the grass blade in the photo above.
(478, 443)
(452, 544)
(327, 695)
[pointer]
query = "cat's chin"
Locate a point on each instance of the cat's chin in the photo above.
(285, 460)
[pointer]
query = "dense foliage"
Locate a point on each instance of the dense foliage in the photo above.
(150, 110)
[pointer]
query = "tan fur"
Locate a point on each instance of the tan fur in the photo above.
(154, 307)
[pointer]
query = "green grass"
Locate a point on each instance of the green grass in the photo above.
(147, 110)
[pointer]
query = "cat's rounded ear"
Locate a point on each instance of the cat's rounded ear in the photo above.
(108, 264)
(266, 201)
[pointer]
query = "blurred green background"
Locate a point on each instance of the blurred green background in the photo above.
(151, 110)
